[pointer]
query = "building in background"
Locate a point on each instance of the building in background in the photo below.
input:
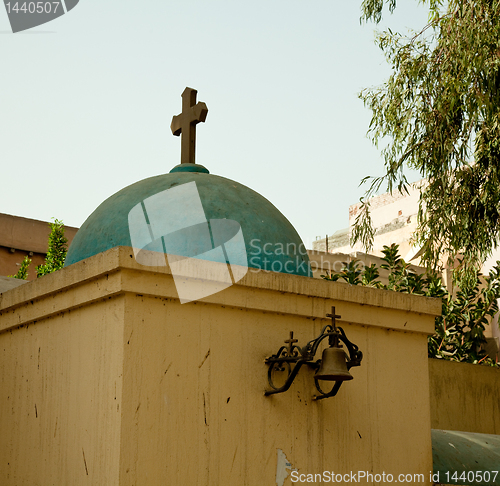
(394, 218)
(23, 236)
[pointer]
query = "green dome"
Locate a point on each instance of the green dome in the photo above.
(270, 241)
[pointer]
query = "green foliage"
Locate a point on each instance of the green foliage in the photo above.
(439, 114)
(56, 254)
(460, 329)
(369, 276)
(372, 9)
(22, 273)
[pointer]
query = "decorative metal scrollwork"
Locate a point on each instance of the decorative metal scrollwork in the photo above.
(291, 357)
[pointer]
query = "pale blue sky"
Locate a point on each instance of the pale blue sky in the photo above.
(87, 100)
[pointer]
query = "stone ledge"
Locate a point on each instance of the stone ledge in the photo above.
(115, 272)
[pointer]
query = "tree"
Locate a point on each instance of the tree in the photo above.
(56, 253)
(22, 273)
(439, 113)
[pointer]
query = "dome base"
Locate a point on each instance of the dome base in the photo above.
(190, 168)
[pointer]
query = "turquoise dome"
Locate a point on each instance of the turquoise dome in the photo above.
(270, 241)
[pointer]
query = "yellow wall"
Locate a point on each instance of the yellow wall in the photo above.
(155, 393)
(464, 397)
(60, 388)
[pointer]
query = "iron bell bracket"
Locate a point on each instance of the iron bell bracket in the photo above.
(291, 357)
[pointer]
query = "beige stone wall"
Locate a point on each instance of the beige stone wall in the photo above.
(133, 388)
(464, 397)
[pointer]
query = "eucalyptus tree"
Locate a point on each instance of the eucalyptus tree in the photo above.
(439, 113)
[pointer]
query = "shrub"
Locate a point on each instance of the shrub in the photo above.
(56, 253)
(459, 330)
(22, 273)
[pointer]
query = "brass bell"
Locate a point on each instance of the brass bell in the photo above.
(333, 366)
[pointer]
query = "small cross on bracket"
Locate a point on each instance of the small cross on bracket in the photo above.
(333, 316)
(290, 343)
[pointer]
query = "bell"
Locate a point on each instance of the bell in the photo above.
(333, 366)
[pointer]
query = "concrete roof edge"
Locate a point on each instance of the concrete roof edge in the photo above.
(102, 263)
(123, 257)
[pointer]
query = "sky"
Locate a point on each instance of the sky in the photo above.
(86, 102)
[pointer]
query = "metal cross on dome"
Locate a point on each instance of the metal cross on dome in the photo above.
(185, 124)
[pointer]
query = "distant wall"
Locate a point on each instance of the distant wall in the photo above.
(322, 262)
(23, 236)
(464, 397)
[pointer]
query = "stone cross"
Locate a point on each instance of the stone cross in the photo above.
(185, 124)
